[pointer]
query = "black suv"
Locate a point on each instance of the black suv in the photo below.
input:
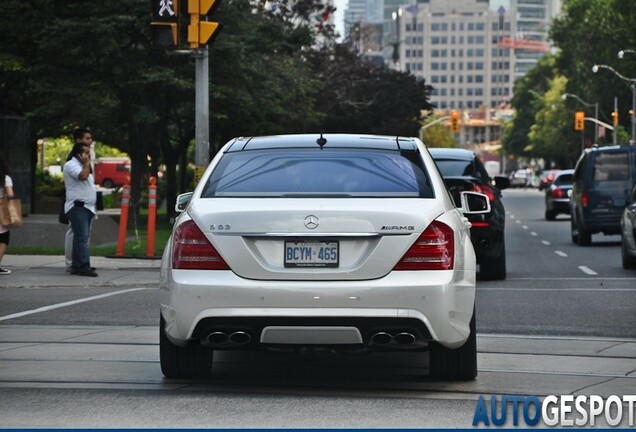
(462, 171)
(603, 178)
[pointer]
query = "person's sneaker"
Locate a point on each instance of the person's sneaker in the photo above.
(4, 271)
(89, 273)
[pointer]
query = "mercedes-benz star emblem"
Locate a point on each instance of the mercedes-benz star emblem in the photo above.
(311, 222)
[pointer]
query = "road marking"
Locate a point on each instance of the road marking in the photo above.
(511, 216)
(603, 289)
(534, 234)
(518, 221)
(545, 242)
(587, 270)
(571, 278)
(69, 303)
(561, 253)
(524, 226)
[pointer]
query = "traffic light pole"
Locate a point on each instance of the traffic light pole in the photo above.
(202, 107)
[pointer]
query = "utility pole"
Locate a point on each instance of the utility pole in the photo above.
(614, 137)
(202, 107)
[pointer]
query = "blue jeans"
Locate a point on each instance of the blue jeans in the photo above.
(80, 219)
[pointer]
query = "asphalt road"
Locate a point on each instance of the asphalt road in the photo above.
(563, 322)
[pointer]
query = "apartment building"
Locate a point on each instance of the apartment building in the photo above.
(454, 46)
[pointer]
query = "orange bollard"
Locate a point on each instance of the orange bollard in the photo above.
(152, 216)
(123, 220)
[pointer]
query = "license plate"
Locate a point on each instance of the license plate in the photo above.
(311, 254)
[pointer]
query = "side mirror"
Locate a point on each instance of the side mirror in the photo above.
(182, 201)
(502, 182)
(475, 203)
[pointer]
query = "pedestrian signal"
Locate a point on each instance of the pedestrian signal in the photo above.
(165, 24)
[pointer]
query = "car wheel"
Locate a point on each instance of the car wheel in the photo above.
(455, 364)
(493, 268)
(190, 361)
(629, 262)
(574, 231)
(108, 183)
(550, 215)
(585, 237)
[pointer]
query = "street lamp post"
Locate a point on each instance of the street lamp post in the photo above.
(564, 96)
(621, 54)
(632, 81)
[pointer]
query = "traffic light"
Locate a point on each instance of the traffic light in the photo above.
(615, 118)
(579, 120)
(454, 121)
(200, 31)
(165, 23)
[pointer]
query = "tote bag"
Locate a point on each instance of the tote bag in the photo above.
(10, 212)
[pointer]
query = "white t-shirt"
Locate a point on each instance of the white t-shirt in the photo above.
(7, 183)
(76, 189)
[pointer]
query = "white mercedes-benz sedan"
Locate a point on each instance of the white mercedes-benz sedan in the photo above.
(348, 242)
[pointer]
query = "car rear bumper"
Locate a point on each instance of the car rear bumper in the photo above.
(559, 205)
(438, 305)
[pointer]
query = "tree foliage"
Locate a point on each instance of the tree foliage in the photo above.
(273, 69)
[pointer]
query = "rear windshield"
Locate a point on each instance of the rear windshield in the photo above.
(311, 172)
(611, 170)
(455, 168)
(563, 179)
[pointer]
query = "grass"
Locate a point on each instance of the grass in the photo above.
(135, 244)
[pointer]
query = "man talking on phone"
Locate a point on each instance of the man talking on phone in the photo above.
(80, 204)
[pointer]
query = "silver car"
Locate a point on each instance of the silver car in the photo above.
(342, 241)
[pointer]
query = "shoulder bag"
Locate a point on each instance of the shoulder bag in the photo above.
(10, 212)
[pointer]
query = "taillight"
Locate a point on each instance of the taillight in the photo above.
(433, 250)
(486, 190)
(480, 224)
(584, 199)
(192, 251)
(557, 193)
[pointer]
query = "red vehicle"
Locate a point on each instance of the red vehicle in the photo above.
(112, 171)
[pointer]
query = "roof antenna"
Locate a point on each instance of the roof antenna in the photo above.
(321, 141)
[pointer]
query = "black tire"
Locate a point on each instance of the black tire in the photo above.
(629, 261)
(190, 361)
(585, 237)
(455, 364)
(493, 268)
(574, 231)
(108, 183)
(550, 215)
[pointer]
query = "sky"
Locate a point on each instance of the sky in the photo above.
(341, 5)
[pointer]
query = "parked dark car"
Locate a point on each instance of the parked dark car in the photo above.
(462, 170)
(603, 179)
(628, 232)
(557, 195)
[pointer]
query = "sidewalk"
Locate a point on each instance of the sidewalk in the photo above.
(47, 271)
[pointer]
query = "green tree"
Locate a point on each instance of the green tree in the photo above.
(527, 101)
(437, 135)
(552, 136)
(592, 32)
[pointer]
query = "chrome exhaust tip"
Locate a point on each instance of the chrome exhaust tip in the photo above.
(405, 339)
(217, 338)
(381, 338)
(240, 338)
